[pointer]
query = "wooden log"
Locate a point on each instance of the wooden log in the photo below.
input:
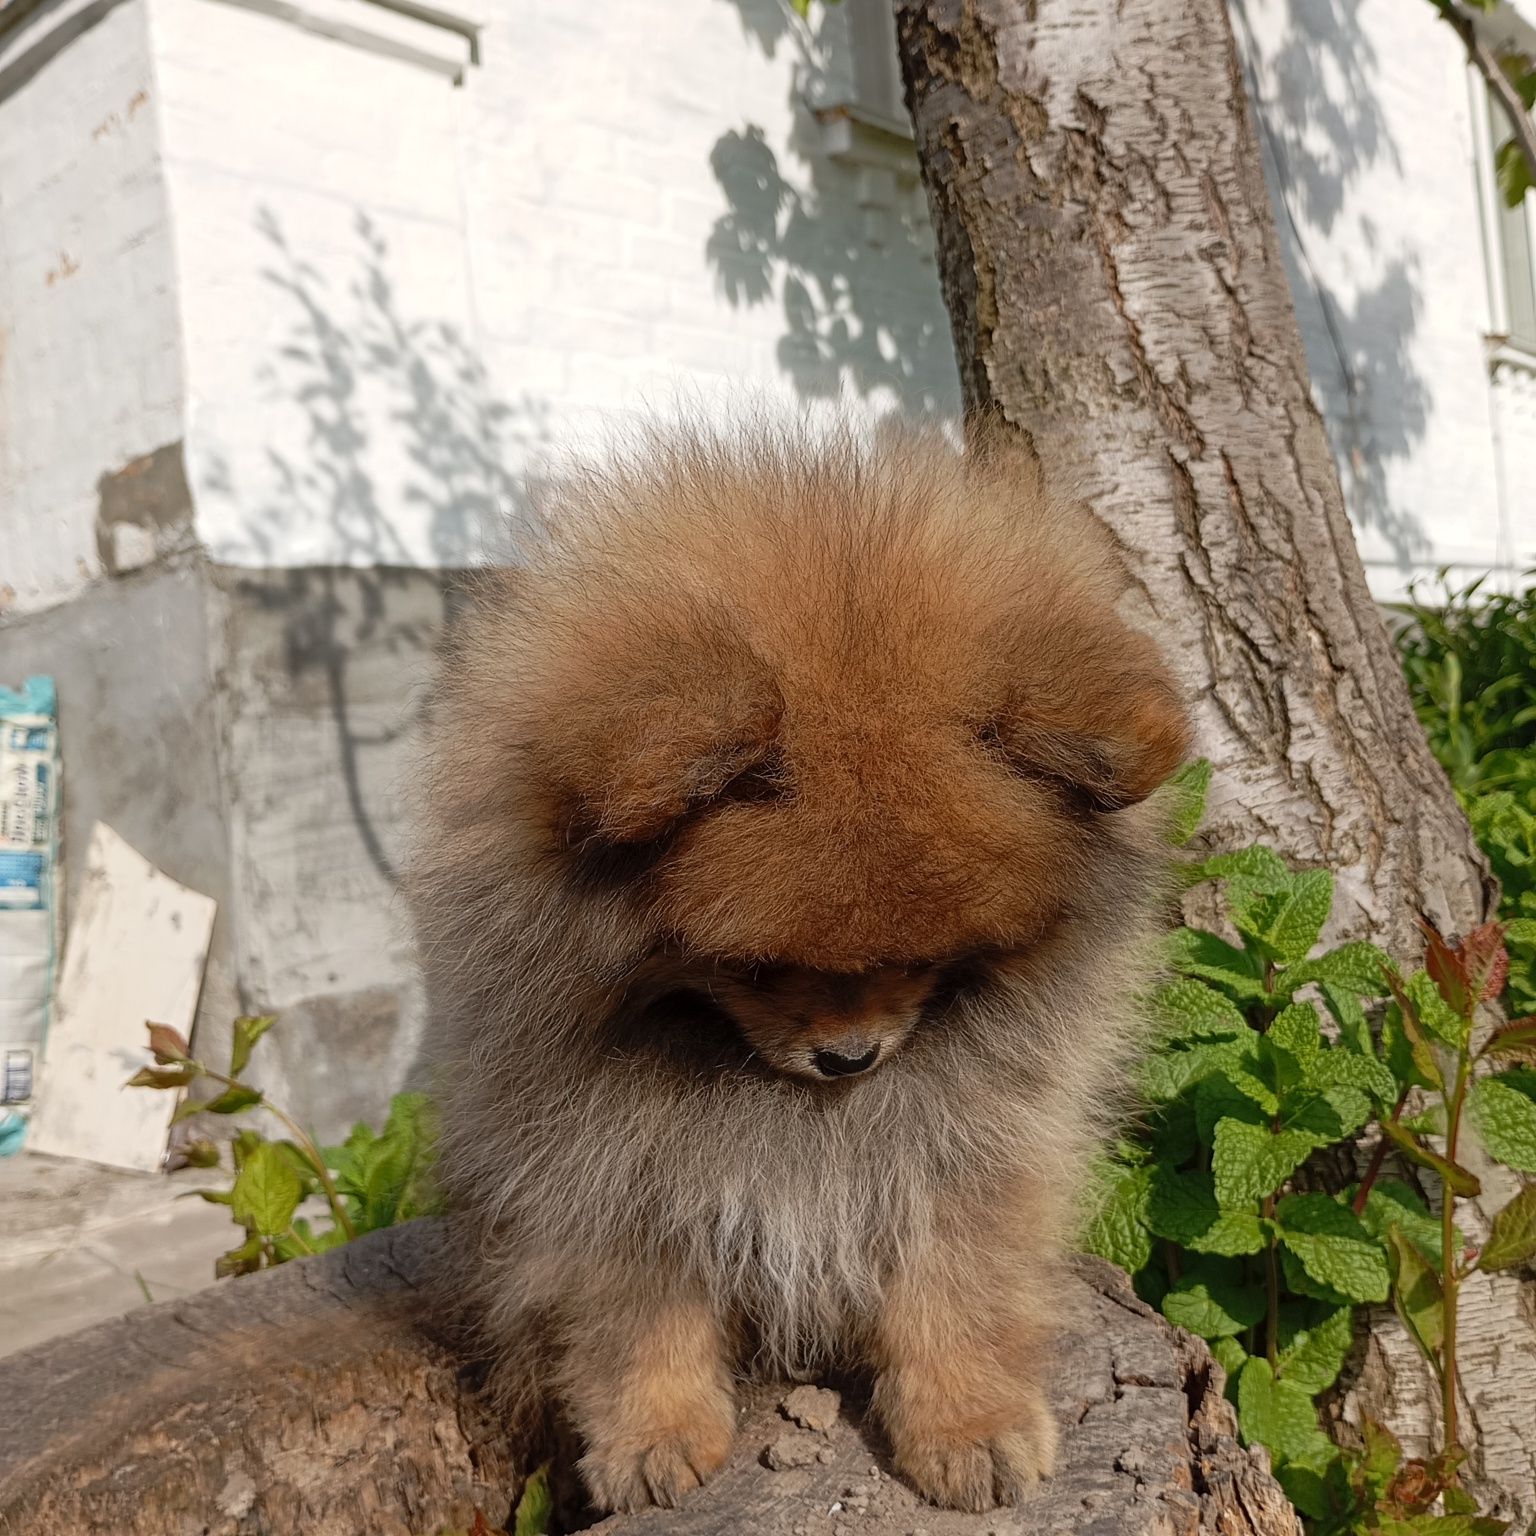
(325, 1398)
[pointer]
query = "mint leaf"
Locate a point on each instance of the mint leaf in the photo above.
(1186, 789)
(1210, 1301)
(1502, 1110)
(1193, 952)
(1513, 1237)
(1325, 1115)
(1258, 864)
(1314, 1490)
(1357, 970)
(1333, 1247)
(1344, 1004)
(1417, 1295)
(1438, 1020)
(1171, 1137)
(1296, 1030)
(1426, 1524)
(1299, 922)
(1190, 1010)
(1182, 1207)
(1218, 1098)
(1229, 1355)
(1168, 1072)
(1338, 1066)
(1299, 1283)
(1117, 1230)
(1249, 1162)
(1280, 1416)
(1290, 1045)
(1315, 1355)
(1391, 1203)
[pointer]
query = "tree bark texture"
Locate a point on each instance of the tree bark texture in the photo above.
(1114, 281)
(325, 1398)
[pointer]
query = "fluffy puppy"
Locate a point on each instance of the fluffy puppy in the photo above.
(783, 877)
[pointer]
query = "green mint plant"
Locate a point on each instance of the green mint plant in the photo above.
(1470, 659)
(373, 1179)
(1430, 1030)
(1266, 1058)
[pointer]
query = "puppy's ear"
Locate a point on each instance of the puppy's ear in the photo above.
(668, 712)
(1094, 707)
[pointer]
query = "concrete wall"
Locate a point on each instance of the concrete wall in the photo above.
(315, 287)
(139, 736)
(321, 680)
(90, 370)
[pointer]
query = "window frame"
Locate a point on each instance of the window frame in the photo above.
(1504, 345)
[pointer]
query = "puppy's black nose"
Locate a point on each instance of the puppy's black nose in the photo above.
(836, 1064)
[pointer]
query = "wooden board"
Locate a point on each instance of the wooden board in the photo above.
(137, 945)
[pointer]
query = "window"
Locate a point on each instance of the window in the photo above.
(877, 88)
(1510, 233)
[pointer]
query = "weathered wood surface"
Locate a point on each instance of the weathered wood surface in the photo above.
(1117, 294)
(324, 1399)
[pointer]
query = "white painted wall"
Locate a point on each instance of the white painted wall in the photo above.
(320, 241)
(90, 369)
(398, 295)
(1365, 116)
(612, 214)
(395, 295)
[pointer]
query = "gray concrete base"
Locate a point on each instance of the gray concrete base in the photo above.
(250, 732)
(79, 1244)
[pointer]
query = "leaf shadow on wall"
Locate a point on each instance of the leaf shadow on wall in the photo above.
(842, 248)
(1324, 137)
(361, 369)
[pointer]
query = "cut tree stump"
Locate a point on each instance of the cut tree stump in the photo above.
(324, 1398)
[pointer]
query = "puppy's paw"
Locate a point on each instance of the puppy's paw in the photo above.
(654, 1465)
(965, 1471)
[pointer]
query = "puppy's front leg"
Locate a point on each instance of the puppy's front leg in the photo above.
(646, 1378)
(958, 1348)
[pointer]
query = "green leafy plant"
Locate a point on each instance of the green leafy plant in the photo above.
(1470, 659)
(373, 1179)
(1266, 1057)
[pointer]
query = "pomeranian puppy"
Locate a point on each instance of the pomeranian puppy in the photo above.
(784, 880)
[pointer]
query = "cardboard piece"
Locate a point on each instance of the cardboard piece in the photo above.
(137, 945)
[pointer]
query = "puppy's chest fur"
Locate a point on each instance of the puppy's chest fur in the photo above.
(791, 1213)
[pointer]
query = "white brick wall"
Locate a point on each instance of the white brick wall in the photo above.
(90, 371)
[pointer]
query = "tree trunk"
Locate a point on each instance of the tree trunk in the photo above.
(324, 1398)
(1113, 277)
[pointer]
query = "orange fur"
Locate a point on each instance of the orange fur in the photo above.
(776, 760)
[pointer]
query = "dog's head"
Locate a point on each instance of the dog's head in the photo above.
(839, 727)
